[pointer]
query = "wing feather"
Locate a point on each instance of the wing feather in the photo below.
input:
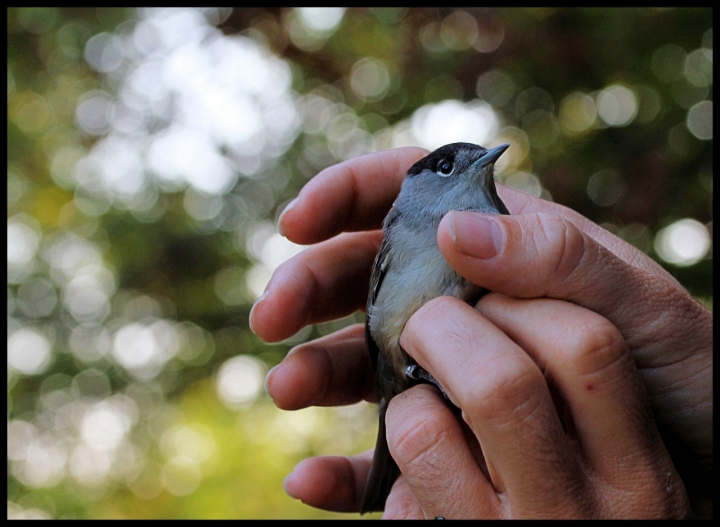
(381, 266)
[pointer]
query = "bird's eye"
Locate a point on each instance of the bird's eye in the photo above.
(445, 167)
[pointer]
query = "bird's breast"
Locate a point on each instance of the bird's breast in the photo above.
(417, 278)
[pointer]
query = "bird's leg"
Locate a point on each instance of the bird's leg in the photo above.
(416, 373)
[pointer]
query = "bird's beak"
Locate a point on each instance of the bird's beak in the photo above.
(491, 155)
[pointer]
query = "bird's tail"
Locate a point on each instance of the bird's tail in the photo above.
(383, 473)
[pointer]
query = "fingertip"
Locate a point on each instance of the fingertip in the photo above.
(423, 322)
(349, 196)
(412, 408)
(415, 419)
(312, 216)
(281, 220)
(324, 482)
(252, 322)
(294, 482)
(294, 383)
(268, 381)
(274, 318)
(288, 489)
(474, 234)
(281, 311)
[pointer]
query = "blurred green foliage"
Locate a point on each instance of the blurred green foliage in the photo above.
(149, 153)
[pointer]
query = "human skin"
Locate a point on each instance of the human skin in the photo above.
(543, 251)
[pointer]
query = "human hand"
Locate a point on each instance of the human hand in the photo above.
(547, 387)
(545, 250)
(549, 390)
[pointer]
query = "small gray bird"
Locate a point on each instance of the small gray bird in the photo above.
(409, 271)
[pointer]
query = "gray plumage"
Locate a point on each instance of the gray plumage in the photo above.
(410, 270)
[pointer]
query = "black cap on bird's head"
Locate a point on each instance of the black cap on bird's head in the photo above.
(458, 176)
(456, 158)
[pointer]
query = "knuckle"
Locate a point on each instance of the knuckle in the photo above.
(591, 344)
(510, 391)
(568, 245)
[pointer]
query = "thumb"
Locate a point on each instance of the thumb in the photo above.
(545, 255)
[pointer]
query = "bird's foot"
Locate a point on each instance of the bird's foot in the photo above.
(416, 373)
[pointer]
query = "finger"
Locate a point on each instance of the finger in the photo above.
(429, 445)
(401, 503)
(351, 196)
(519, 202)
(323, 282)
(332, 483)
(505, 400)
(331, 371)
(356, 194)
(539, 255)
(585, 357)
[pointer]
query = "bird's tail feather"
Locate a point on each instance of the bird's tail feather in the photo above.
(383, 473)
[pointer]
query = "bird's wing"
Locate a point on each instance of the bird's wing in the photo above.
(496, 201)
(380, 269)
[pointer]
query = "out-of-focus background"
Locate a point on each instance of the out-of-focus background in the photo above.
(150, 151)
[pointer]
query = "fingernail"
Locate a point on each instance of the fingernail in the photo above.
(267, 377)
(282, 215)
(475, 235)
(257, 302)
(285, 486)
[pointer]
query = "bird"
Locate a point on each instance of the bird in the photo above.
(409, 270)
